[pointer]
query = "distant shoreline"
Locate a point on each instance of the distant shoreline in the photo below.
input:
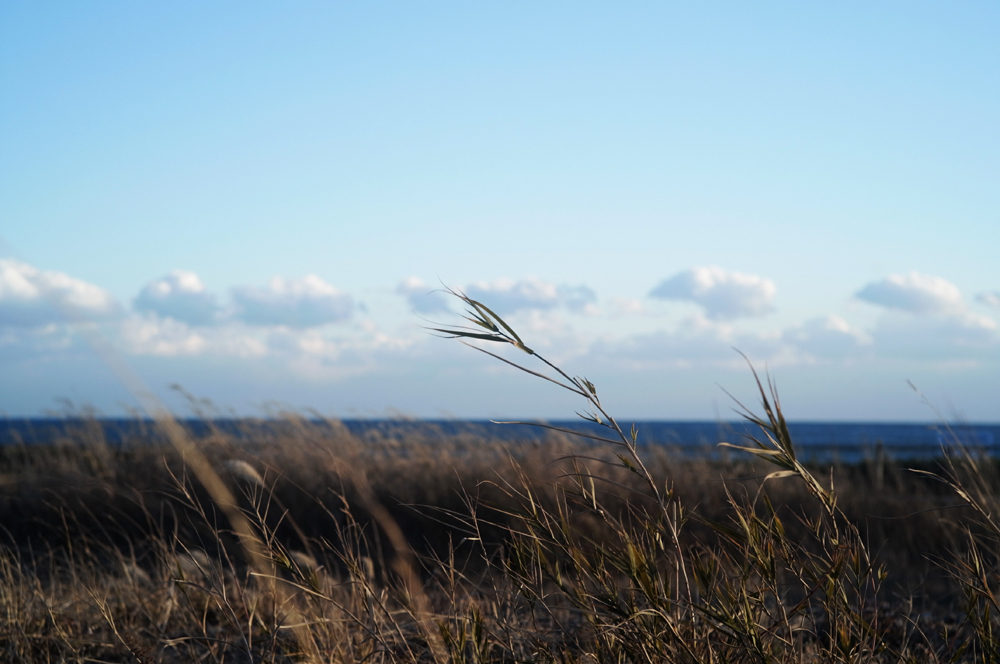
(845, 441)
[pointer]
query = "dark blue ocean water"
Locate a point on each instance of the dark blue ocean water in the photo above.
(822, 441)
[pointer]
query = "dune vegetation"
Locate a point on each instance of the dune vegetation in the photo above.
(300, 542)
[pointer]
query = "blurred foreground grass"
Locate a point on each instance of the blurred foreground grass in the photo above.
(115, 554)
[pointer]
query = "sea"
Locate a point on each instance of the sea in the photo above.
(846, 442)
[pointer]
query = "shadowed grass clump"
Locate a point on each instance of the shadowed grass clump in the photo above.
(450, 548)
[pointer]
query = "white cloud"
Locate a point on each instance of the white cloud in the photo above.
(698, 341)
(310, 342)
(928, 320)
(167, 337)
(44, 341)
(828, 337)
(724, 295)
(626, 307)
(914, 293)
(179, 295)
(308, 302)
(32, 297)
(314, 343)
(421, 297)
(990, 298)
(153, 335)
(319, 354)
(578, 299)
(505, 296)
(964, 336)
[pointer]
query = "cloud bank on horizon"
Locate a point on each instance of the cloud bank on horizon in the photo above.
(309, 328)
(179, 295)
(30, 297)
(302, 303)
(914, 293)
(724, 295)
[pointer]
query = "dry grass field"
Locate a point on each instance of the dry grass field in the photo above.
(462, 549)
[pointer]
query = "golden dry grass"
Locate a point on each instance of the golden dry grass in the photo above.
(116, 554)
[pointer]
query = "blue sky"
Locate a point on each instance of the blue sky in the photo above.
(253, 201)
